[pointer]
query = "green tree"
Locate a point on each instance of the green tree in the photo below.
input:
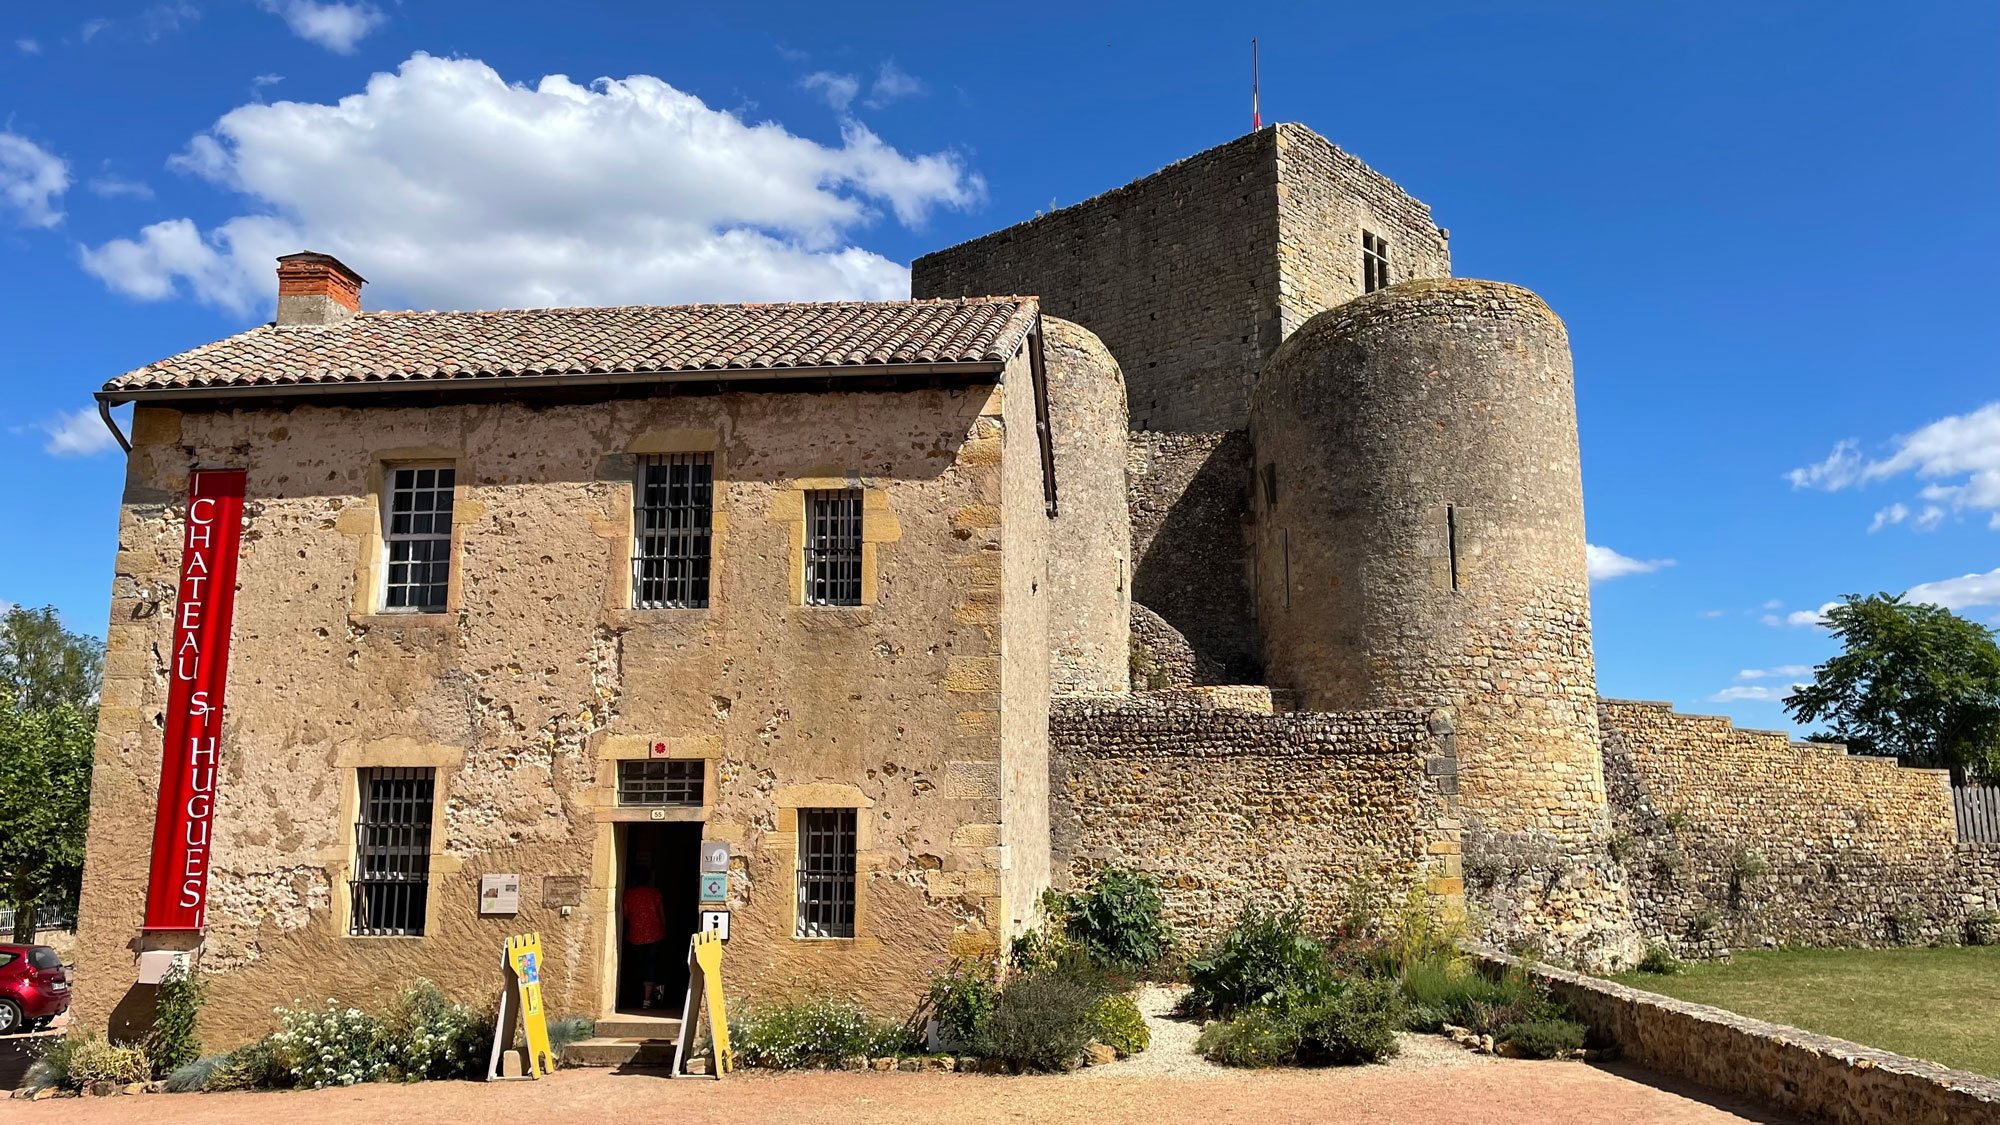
(43, 665)
(1918, 682)
(44, 806)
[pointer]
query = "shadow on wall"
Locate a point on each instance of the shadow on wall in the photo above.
(1189, 502)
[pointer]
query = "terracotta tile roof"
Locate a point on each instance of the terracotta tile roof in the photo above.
(436, 347)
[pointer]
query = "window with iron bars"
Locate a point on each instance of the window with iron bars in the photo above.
(833, 547)
(418, 534)
(1374, 262)
(392, 851)
(673, 507)
(826, 873)
(659, 782)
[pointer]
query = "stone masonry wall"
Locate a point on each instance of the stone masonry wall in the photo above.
(1195, 274)
(540, 677)
(1233, 807)
(1189, 498)
(1742, 837)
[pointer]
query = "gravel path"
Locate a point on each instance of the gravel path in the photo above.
(1432, 1081)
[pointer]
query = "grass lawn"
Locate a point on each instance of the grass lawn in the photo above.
(1937, 1004)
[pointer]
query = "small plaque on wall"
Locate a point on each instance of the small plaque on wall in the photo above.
(499, 894)
(562, 890)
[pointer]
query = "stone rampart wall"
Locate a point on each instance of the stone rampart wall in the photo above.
(1189, 497)
(1231, 807)
(1734, 837)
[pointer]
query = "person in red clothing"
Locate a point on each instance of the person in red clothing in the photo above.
(645, 932)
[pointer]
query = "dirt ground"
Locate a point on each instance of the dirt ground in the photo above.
(1498, 1092)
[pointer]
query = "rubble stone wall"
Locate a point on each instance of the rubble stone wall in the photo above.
(1233, 807)
(1188, 499)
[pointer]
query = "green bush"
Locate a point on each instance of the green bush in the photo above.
(817, 1031)
(1257, 1037)
(1355, 1024)
(1042, 1019)
(1544, 1038)
(427, 1035)
(1660, 960)
(962, 996)
(189, 1077)
(1265, 959)
(566, 1031)
(75, 1061)
(331, 1046)
(175, 1042)
(1458, 994)
(1119, 921)
(254, 1066)
(1115, 1022)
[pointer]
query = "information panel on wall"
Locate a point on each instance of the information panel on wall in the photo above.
(197, 668)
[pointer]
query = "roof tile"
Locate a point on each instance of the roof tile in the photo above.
(439, 347)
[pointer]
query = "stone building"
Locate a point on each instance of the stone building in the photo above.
(1262, 569)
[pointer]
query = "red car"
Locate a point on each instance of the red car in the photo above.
(34, 989)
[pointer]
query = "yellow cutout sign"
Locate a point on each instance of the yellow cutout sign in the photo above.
(705, 984)
(521, 1005)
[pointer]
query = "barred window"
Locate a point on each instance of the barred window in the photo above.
(826, 873)
(833, 547)
(1374, 262)
(418, 534)
(673, 506)
(392, 851)
(659, 782)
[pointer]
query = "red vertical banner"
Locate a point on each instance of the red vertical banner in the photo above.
(198, 667)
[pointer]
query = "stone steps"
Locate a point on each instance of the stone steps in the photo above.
(626, 1025)
(608, 1052)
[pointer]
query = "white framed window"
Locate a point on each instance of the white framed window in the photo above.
(416, 535)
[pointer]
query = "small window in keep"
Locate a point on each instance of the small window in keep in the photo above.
(416, 530)
(1374, 262)
(826, 873)
(833, 547)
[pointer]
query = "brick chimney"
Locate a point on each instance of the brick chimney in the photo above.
(316, 289)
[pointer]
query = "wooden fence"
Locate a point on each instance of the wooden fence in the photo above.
(1978, 811)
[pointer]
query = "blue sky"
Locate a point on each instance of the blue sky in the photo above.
(1771, 228)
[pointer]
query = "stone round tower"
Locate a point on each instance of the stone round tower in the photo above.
(1419, 507)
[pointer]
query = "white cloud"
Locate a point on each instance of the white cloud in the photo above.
(32, 180)
(449, 187)
(92, 28)
(1712, 614)
(891, 83)
(1959, 455)
(335, 26)
(28, 46)
(1753, 693)
(839, 90)
(1605, 563)
(112, 187)
(78, 433)
(1781, 672)
(1799, 618)
(1963, 592)
(1774, 603)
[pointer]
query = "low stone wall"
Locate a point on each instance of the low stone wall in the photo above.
(1741, 837)
(1233, 807)
(1162, 658)
(1814, 1076)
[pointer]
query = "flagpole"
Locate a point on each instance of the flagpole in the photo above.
(1256, 115)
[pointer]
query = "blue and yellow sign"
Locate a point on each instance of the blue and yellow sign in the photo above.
(524, 963)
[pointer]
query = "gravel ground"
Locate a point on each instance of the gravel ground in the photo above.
(1432, 1081)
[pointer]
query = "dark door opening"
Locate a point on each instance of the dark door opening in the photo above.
(669, 857)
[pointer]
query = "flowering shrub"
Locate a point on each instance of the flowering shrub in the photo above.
(426, 1035)
(331, 1046)
(77, 1060)
(816, 1031)
(962, 995)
